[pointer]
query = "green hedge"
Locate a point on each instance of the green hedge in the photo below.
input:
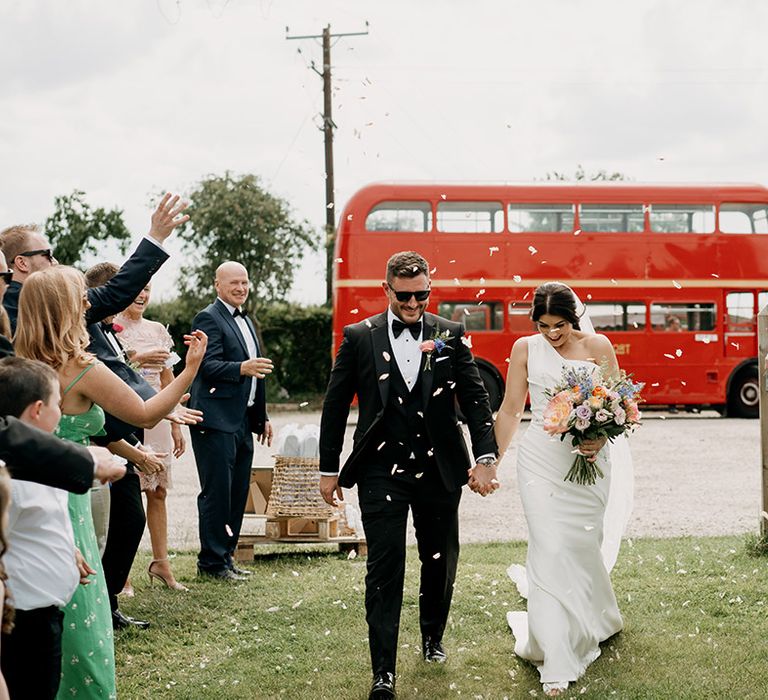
(297, 338)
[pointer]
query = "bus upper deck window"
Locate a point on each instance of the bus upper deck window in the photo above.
(470, 217)
(682, 218)
(611, 218)
(744, 218)
(408, 217)
(540, 218)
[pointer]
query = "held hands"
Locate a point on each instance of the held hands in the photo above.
(258, 367)
(330, 490)
(166, 217)
(590, 448)
(483, 479)
(107, 470)
(83, 568)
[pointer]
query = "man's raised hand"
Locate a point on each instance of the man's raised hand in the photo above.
(166, 217)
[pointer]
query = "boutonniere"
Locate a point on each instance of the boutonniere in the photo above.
(117, 328)
(437, 343)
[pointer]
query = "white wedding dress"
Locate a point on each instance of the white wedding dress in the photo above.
(571, 604)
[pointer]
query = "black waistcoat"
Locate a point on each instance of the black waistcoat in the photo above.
(402, 430)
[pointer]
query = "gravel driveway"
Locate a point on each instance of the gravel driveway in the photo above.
(695, 475)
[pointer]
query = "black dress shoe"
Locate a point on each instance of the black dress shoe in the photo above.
(433, 651)
(383, 687)
(240, 572)
(223, 575)
(121, 621)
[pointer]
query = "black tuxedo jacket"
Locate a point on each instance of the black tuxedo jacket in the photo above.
(100, 346)
(219, 390)
(362, 368)
(117, 294)
(33, 455)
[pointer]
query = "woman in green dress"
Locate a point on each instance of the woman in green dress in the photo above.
(51, 328)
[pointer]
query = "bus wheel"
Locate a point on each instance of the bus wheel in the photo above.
(744, 397)
(494, 388)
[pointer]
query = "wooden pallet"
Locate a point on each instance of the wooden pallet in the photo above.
(287, 530)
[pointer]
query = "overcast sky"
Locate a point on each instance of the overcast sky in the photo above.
(123, 99)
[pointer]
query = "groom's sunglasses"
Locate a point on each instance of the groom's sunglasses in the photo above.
(402, 297)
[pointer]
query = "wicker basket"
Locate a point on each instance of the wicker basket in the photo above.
(296, 489)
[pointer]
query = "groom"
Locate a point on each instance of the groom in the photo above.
(408, 452)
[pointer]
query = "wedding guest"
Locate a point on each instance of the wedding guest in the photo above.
(41, 564)
(52, 329)
(230, 392)
(27, 250)
(148, 346)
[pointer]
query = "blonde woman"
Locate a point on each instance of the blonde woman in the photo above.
(51, 328)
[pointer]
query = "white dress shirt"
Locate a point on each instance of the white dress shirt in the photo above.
(40, 561)
(250, 343)
(405, 349)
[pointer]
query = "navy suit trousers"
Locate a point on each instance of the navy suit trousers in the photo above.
(224, 466)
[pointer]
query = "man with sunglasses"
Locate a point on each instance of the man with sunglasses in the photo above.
(408, 369)
(27, 250)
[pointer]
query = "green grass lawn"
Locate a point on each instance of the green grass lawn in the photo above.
(695, 613)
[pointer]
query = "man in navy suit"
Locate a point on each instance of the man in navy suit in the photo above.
(229, 390)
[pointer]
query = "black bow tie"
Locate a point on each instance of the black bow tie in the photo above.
(238, 312)
(398, 327)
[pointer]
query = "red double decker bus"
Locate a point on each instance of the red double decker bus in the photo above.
(673, 274)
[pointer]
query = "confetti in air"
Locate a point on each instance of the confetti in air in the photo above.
(389, 498)
(303, 404)
(355, 311)
(386, 355)
(577, 232)
(367, 323)
(436, 555)
(419, 475)
(433, 271)
(380, 446)
(671, 357)
(437, 391)
(467, 340)
(384, 376)
(493, 249)
(339, 260)
(679, 352)
(676, 284)
(479, 294)
(228, 530)
(452, 261)
(532, 250)
(517, 279)
(213, 388)
(442, 196)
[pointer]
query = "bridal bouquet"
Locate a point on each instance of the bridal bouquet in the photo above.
(587, 407)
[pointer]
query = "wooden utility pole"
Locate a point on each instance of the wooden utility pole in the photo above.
(762, 372)
(328, 127)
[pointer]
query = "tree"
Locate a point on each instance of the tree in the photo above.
(74, 228)
(235, 218)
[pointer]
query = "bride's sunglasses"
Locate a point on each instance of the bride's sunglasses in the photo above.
(421, 295)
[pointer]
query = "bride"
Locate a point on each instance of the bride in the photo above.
(571, 605)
